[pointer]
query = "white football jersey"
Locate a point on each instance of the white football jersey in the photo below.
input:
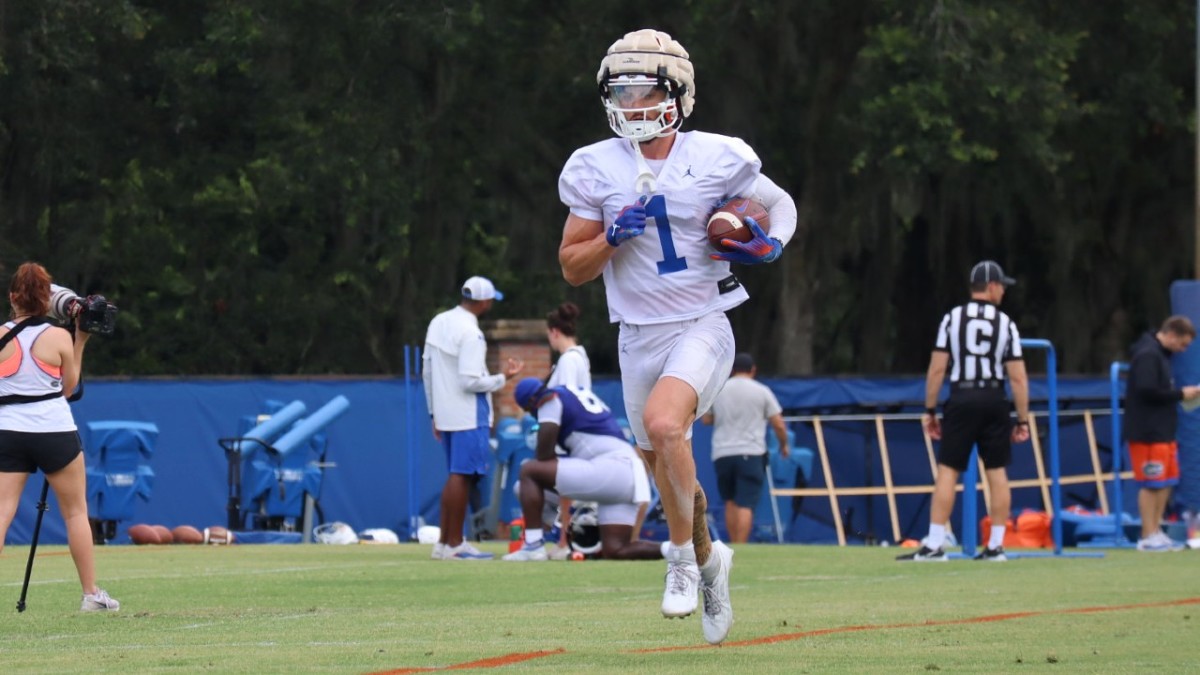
(665, 274)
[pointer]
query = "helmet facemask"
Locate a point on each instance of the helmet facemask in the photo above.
(641, 107)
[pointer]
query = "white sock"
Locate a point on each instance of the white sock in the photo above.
(533, 535)
(937, 536)
(681, 553)
(996, 540)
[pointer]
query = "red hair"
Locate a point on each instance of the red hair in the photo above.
(29, 290)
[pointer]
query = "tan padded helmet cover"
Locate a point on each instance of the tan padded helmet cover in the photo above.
(644, 51)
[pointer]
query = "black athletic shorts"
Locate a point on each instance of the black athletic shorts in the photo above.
(740, 479)
(976, 418)
(26, 452)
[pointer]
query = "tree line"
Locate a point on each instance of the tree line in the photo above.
(297, 187)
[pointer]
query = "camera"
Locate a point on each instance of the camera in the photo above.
(96, 314)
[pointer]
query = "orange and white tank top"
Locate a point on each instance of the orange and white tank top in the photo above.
(21, 373)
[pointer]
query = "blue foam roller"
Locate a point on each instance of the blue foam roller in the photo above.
(312, 424)
(275, 425)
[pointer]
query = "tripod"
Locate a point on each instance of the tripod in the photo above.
(37, 528)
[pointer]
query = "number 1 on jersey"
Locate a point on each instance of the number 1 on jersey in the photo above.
(656, 208)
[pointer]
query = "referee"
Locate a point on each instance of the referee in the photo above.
(981, 347)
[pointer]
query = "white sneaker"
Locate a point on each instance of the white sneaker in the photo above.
(99, 602)
(682, 584)
(714, 583)
(1169, 542)
(529, 553)
(465, 551)
(439, 551)
(560, 553)
(1159, 542)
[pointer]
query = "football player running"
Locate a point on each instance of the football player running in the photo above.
(639, 207)
(600, 466)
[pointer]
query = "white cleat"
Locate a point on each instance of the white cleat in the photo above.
(528, 553)
(714, 583)
(683, 583)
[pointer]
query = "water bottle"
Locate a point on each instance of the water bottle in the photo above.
(516, 534)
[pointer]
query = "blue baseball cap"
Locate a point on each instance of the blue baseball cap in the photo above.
(526, 392)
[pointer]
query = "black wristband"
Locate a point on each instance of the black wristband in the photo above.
(932, 412)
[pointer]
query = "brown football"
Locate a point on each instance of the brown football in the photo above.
(186, 534)
(727, 222)
(143, 534)
(164, 534)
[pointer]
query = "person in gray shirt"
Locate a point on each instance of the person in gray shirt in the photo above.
(739, 417)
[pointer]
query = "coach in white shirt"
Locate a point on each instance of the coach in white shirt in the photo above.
(458, 392)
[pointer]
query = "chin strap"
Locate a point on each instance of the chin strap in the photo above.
(646, 182)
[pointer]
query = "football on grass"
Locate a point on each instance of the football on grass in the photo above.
(164, 534)
(143, 534)
(217, 535)
(728, 221)
(186, 534)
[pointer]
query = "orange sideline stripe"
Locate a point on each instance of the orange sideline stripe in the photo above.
(786, 637)
(494, 662)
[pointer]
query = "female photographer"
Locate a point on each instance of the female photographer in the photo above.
(39, 367)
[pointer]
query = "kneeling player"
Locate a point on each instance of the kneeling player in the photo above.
(600, 466)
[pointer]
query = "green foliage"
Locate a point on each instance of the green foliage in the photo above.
(296, 188)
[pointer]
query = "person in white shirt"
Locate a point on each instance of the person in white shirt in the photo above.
(739, 417)
(458, 391)
(39, 366)
(639, 207)
(573, 368)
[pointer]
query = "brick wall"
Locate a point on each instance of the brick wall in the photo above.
(523, 339)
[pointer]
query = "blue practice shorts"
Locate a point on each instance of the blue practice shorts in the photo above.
(468, 452)
(740, 479)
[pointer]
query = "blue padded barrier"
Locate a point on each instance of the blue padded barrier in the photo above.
(1185, 300)
(370, 487)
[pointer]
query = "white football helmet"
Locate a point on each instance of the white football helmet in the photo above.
(636, 66)
(378, 535)
(335, 533)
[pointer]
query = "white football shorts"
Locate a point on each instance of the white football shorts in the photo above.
(611, 481)
(698, 351)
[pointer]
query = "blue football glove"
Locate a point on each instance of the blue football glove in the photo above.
(760, 249)
(629, 223)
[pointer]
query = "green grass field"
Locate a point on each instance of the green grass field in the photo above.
(799, 609)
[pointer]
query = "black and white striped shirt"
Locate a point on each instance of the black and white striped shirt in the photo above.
(980, 339)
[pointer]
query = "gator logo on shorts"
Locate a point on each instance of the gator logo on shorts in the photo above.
(1153, 470)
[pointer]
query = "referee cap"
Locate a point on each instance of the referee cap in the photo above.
(988, 271)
